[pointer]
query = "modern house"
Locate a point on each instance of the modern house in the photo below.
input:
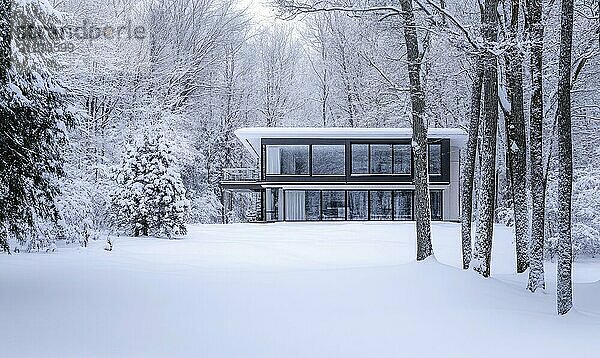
(313, 174)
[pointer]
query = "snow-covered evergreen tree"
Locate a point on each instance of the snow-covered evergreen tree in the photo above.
(150, 199)
(34, 112)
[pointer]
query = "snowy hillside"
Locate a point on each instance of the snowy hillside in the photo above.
(287, 290)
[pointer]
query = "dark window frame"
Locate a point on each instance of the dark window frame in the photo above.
(309, 160)
(369, 204)
(350, 178)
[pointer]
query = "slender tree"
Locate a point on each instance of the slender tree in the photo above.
(486, 197)
(469, 165)
(536, 117)
(515, 130)
(5, 39)
(419, 130)
(564, 299)
(5, 53)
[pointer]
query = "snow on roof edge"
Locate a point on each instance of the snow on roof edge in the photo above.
(250, 136)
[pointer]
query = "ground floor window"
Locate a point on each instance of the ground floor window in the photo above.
(272, 205)
(381, 205)
(403, 205)
(334, 204)
(435, 198)
(358, 205)
(314, 205)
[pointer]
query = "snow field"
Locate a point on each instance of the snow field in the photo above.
(287, 290)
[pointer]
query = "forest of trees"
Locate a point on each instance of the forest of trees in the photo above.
(86, 86)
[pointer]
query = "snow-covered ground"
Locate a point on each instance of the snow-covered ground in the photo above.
(287, 290)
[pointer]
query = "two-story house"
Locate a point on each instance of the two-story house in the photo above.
(313, 174)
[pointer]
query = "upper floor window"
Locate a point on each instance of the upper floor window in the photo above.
(435, 159)
(381, 159)
(328, 159)
(287, 159)
(402, 158)
(360, 158)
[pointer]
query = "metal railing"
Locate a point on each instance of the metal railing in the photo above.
(240, 174)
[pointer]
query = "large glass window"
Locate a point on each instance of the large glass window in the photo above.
(302, 205)
(358, 205)
(435, 198)
(313, 205)
(381, 158)
(328, 159)
(334, 205)
(287, 159)
(272, 204)
(381, 205)
(360, 158)
(403, 205)
(435, 159)
(295, 205)
(402, 158)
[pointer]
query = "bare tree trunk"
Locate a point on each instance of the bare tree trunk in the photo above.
(351, 107)
(5, 39)
(487, 194)
(536, 249)
(5, 54)
(564, 294)
(324, 84)
(469, 166)
(516, 143)
(417, 97)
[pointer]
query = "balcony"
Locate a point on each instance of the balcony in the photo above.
(246, 179)
(240, 174)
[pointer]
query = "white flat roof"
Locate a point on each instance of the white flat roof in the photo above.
(251, 137)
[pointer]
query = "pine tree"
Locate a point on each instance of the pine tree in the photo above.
(34, 111)
(151, 196)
